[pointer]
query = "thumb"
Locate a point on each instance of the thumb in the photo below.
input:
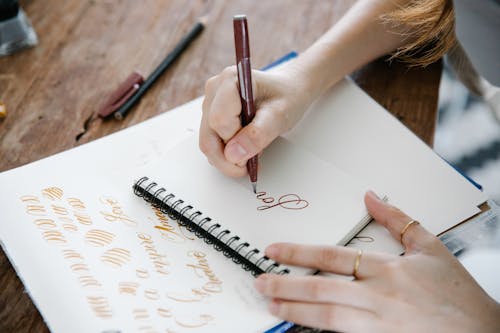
(253, 138)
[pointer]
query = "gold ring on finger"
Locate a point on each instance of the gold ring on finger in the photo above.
(356, 263)
(407, 226)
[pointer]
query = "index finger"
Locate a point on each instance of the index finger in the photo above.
(213, 148)
(413, 236)
(334, 259)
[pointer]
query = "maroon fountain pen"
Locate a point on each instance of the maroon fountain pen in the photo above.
(242, 46)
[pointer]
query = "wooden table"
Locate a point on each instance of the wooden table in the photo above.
(88, 47)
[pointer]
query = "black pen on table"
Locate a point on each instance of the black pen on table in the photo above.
(171, 57)
(242, 47)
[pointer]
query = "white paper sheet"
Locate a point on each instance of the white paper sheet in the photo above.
(99, 258)
(351, 131)
(96, 258)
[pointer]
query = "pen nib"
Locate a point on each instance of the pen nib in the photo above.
(254, 186)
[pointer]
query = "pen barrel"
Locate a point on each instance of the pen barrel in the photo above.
(246, 91)
(241, 40)
(252, 168)
(244, 68)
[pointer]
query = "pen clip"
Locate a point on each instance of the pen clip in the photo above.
(124, 91)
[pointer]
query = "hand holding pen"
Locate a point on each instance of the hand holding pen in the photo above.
(279, 102)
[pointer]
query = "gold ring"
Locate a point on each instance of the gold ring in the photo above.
(356, 263)
(409, 224)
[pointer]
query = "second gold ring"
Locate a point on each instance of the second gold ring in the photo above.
(356, 264)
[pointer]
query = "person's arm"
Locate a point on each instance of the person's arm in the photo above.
(283, 95)
(360, 36)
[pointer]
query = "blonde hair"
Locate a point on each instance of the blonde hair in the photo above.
(430, 29)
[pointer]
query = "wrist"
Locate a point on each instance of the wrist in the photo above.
(298, 72)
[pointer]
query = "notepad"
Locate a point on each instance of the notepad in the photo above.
(300, 199)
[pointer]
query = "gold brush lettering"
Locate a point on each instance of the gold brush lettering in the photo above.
(142, 273)
(201, 321)
(96, 237)
(159, 260)
(100, 306)
(59, 210)
(82, 218)
(76, 203)
(167, 230)
(72, 255)
(70, 227)
(65, 219)
(117, 214)
(36, 210)
(147, 329)
(202, 269)
(30, 199)
(165, 313)
(175, 296)
(116, 257)
(53, 193)
(54, 237)
(79, 267)
(140, 314)
(152, 294)
(45, 224)
(128, 288)
(88, 281)
(287, 201)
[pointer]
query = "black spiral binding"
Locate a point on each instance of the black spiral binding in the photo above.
(231, 248)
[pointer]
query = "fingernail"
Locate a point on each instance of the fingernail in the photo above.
(274, 307)
(260, 283)
(235, 152)
(372, 195)
(272, 251)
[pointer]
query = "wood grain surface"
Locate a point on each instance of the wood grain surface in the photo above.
(87, 47)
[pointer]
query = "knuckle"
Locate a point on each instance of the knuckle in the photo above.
(210, 83)
(395, 212)
(273, 287)
(329, 316)
(205, 105)
(327, 257)
(205, 147)
(289, 255)
(285, 311)
(315, 290)
(428, 241)
(222, 126)
(411, 242)
(280, 111)
(256, 135)
(229, 71)
(215, 119)
(392, 269)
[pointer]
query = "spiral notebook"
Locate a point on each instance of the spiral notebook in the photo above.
(300, 198)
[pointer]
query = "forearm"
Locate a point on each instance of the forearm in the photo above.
(359, 37)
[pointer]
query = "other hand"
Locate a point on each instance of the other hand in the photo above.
(425, 290)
